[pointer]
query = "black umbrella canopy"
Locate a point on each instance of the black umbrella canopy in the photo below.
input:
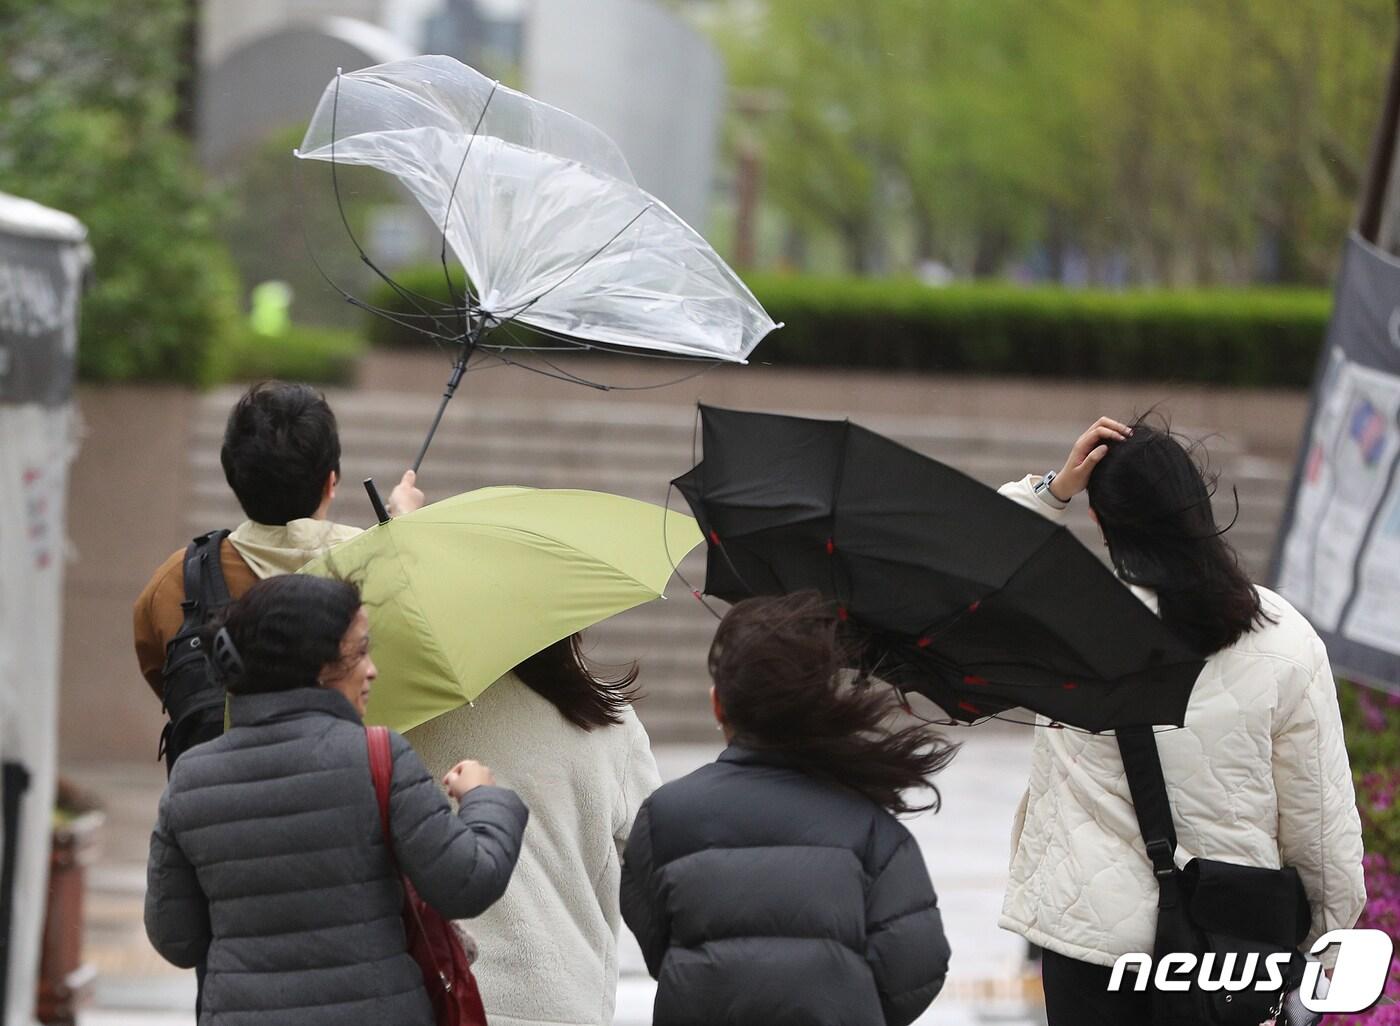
(964, 596)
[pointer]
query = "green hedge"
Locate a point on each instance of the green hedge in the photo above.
(321, 355)
(1257, 337)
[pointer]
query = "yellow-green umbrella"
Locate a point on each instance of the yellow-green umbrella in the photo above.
(463, 590)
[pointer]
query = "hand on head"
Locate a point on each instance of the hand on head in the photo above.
(1085, 455)
(466, 775)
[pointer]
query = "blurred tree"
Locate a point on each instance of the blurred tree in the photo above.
(282, 213)
(1220, 141)
(821, 143)
(87, 104)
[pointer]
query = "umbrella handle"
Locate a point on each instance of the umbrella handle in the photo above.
(376, 501)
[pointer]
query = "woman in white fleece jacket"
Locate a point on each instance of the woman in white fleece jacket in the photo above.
(1258, 776)
(570, 745)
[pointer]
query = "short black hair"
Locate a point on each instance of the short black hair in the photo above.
(280, 445)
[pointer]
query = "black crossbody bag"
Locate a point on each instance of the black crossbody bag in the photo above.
(1213, 908)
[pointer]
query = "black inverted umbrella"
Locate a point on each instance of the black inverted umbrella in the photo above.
(963, 596)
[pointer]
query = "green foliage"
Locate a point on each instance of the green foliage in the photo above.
(325, 356)
(282, 210)
(1372, 724)
(1225, 337)
(1377, 792)
(1371, 721)
(1222, 141)
(86, 101)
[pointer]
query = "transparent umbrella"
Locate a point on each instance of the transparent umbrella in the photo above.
(542, 212)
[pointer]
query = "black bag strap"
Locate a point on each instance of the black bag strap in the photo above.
(1143, 763)
(206, 591)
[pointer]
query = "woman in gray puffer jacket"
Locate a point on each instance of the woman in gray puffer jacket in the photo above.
(267, 863)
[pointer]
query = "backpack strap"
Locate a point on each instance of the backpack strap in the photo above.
(381, 771)
(1141, 760)
(188, 691)
(206, 591)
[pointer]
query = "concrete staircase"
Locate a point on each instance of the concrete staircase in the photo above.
(635, 449)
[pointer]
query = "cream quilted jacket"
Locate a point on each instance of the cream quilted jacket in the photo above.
(1259, 775)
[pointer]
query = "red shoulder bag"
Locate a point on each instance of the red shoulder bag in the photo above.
(432, 941)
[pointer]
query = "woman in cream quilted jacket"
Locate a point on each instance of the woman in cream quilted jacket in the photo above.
(1258, 776)
(567, 741)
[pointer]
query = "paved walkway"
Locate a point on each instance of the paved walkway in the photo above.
(965, 846)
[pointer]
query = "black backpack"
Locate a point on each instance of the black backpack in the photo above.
(192, 694)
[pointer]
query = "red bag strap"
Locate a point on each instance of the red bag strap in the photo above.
(381, 770)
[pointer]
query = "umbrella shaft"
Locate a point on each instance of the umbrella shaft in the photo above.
(458, 369)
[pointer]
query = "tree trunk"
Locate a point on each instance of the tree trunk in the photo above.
(187, 84)
(857, 239)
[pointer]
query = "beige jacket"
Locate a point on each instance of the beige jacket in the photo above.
(1259, 775)
(548, 949)
(252, 552)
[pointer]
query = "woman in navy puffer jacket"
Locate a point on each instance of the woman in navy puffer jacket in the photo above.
(774, 886)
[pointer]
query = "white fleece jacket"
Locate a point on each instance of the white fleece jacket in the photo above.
(548, 948)
(1258, 776)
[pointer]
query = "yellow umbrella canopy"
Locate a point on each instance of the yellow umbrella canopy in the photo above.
(463, 590)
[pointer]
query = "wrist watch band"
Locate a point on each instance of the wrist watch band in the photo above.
(1042, 487)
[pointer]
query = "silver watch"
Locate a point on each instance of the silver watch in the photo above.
(1043, 486)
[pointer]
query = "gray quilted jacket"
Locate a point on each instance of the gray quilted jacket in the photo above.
(267, 863)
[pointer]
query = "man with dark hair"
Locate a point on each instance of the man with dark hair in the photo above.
(281, 457)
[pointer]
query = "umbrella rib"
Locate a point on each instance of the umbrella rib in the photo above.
(675, 567)
(406, 294)
(447, 218)
(1049, 538)
(426, 638)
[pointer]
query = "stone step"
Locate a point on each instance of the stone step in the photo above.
(1253, 535)
(384, 405)
(644, 430)
(1264, 496)
(534, 442)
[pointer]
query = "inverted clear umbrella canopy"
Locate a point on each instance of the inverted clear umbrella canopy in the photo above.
(542, 212)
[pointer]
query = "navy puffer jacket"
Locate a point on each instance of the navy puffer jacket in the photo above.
(763, 896)
(268, 862)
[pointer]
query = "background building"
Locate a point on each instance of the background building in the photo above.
(637, 70)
